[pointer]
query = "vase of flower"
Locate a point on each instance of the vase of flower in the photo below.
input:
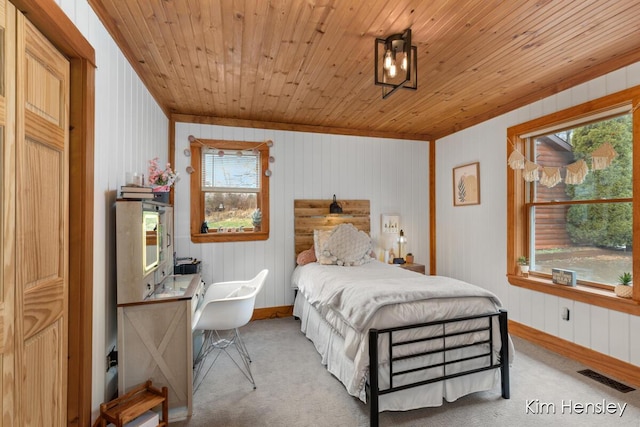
(161, 196)
(161, 180)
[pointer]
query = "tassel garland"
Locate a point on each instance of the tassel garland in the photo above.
(602, 157)
(576, 172)
(550, 177)
(531, 171)
(516, 160)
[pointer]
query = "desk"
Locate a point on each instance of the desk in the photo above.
(155, 341)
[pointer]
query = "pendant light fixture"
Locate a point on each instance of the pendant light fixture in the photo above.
(396, 63)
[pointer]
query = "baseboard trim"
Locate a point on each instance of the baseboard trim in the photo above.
(272, 312)
(622, 371)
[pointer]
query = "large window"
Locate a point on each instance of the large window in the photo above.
(572, 206)
(229, 191)
(581, 220)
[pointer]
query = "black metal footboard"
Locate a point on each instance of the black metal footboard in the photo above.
(480, 337)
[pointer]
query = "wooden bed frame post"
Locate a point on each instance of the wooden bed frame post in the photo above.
(373, 378)
(504, 355)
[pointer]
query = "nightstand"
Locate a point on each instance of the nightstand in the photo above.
(418, 268)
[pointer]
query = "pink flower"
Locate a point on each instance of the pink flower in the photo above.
(161, 178)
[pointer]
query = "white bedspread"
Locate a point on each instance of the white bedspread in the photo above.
(356, 293)
(376, 295)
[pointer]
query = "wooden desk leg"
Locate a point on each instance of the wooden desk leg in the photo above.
(165, 405)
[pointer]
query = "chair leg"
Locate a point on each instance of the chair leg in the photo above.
(240, 343)
(215, 341)
(208, 345)
(246, 359)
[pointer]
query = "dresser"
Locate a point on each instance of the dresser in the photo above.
(155, 307)
(155, 341)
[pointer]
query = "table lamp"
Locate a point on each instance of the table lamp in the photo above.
(401, 241)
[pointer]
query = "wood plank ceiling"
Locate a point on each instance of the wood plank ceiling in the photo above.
(308, 64)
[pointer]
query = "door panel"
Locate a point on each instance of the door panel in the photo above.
(40, 407)
(39, 195)
(42, 79)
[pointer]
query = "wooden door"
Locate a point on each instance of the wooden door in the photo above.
(35, 220)
(7, 236)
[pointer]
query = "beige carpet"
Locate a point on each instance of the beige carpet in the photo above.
(294, 389)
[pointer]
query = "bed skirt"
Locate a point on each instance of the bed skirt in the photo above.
(330, 345)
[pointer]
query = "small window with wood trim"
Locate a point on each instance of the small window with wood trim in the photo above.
(229, 190)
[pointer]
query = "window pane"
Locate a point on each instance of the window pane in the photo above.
(229, 210)
(559, 150)
(230, 171)
(594, 240)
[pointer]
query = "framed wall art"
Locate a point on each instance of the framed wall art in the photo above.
(466, 184)
(389, 223)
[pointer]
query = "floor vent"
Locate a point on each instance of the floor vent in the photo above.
(606, 381)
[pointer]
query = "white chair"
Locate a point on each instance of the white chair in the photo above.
(226, 306)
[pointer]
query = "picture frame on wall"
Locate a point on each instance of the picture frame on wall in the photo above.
(390, 223)
(466, 184)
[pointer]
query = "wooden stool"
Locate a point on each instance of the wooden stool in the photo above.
(136, 402)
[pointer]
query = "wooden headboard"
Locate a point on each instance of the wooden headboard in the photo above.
(313, 214)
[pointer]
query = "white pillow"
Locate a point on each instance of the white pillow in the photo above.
(320, 238)
(348, 246)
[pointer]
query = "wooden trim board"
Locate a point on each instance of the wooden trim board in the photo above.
(272, 312)
(620, 370)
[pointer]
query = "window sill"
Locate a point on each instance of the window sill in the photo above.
(229, 237)
(588, 295)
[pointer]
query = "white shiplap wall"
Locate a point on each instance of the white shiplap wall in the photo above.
(392, 174)
(130, 129)
(471, 240)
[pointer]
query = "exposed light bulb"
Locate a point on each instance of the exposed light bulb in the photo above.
(388, 61)
(404, 62)
(393, 70)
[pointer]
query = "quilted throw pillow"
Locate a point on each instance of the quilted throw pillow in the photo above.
(348, 246)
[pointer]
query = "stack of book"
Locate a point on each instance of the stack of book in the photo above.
(135, 192)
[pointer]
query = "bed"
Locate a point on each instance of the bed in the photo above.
(396, 339)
